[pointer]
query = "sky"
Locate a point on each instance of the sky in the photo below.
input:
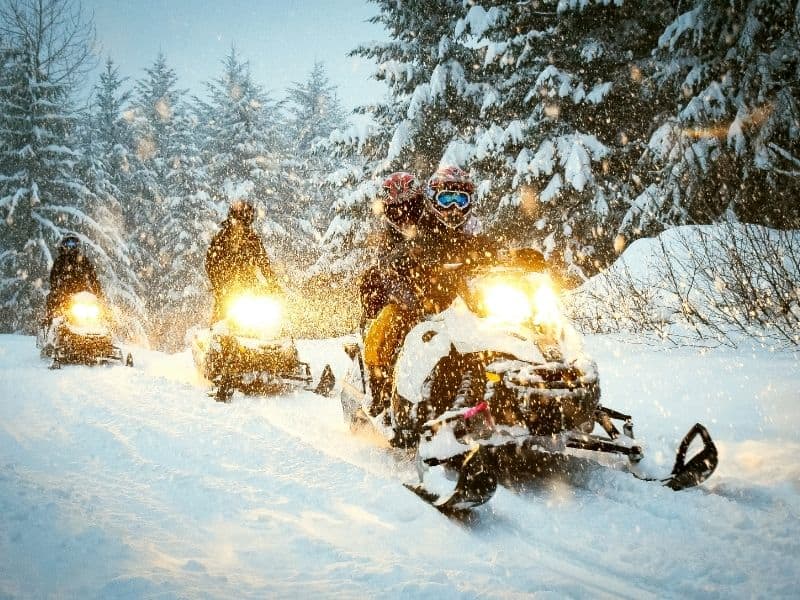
(281, 39)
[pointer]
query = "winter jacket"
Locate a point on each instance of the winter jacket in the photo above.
(71, 273)
(412, 274)
(234, 259)
(373, 285)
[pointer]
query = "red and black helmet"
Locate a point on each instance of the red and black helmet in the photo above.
(448, 195)
(401, 196)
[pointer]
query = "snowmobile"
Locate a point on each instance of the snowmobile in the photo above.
(494, 383)
(79, 334)
(248, 351)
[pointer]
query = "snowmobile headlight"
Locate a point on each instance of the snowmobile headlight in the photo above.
(84, 311)
(522, 301)
(507, 303)
(258, 316)
(545, 301)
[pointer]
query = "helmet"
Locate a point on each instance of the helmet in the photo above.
(448, 195)
(70, 243)
(242, 211)
(402, 201)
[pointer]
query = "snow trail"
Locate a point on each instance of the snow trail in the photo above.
(118, 482)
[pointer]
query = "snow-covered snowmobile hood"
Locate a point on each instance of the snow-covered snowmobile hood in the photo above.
(461, 328)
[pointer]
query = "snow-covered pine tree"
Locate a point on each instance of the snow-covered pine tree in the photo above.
(245, 150)
(730, 144)
(46, 49)
(186, 227)
(111, 120)
(563, 117)
(169, 211)
(427, 104)
(543, 101)
(105, 140)
(314, 113)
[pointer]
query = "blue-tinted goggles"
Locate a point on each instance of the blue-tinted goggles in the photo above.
(70, 243)
(448, 198)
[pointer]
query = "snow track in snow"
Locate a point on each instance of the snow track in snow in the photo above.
(118, 482)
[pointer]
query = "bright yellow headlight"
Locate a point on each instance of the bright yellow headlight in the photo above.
(84, 311)
(507, 303)
(545, 301)
(255, 315)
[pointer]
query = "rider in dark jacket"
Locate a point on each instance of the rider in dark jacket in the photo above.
(237, 256)
(72, 272)
(414, 280)
(401, 201)
(423, 276)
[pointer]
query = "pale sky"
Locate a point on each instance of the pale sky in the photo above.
(280, 38)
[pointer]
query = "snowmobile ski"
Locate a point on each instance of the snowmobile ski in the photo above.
(699, 467)
(475, 486)
(326, 382)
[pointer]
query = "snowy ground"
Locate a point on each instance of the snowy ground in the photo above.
(131, 483)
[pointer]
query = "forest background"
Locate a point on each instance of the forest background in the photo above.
(587, 125)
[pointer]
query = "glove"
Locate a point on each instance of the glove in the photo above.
(401, 292)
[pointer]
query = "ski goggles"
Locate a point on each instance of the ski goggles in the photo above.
(70, 243)
(448, 198)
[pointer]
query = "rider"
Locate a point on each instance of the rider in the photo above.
(415, 282)
(72, 272)
(402, 203)
(236, 256)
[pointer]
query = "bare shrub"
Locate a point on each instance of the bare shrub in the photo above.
(703, 285)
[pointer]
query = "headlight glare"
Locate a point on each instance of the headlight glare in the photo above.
(255, 315)
(546, 302)
(507, 303)
(84, 311)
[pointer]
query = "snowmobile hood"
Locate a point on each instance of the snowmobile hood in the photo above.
(457, 327)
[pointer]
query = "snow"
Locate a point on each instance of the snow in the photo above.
(130, 482)
(552, 189)
(681, 25)
(477, 21)
(599, 92)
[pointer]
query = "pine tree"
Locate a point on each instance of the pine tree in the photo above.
(314, 113)
(41, 194)
(425, 72)
(104, 140)
(563, 116)
(544, 102)
(185, 228)
(170, 212)
(730, 144)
